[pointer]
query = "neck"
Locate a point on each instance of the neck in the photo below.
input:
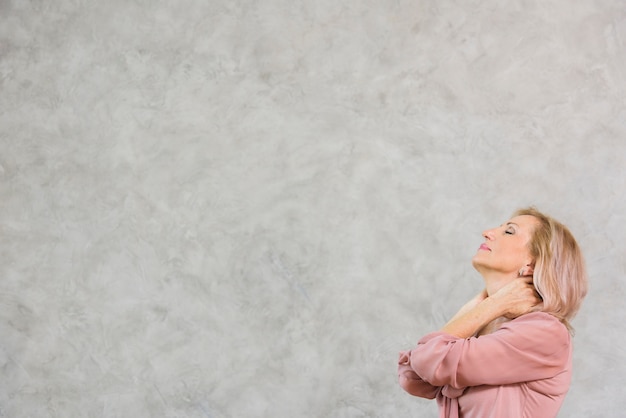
(494, 281)
(492, 326)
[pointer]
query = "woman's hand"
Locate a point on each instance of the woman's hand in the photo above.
(518, 297)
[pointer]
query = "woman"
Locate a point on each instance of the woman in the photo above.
(507, 352)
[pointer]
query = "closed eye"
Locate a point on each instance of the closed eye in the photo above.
(510, 229)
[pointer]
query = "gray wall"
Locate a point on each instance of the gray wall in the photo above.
(247, 208)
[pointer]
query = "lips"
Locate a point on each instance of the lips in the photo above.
(484, 247)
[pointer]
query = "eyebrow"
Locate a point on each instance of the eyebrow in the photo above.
(510, 223)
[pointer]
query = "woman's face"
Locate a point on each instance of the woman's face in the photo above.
(505, 249)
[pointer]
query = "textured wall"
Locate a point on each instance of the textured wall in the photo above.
(247, 208)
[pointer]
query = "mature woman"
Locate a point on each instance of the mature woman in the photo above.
(507, 352)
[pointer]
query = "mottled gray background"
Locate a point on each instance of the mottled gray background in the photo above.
(247, 208)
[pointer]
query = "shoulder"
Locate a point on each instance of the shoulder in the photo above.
(538, 328)
(539, 319)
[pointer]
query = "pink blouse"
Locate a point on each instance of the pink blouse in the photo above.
(522, 370)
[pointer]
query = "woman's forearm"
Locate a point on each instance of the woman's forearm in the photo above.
(471, 304)
(473, 320)
(514, 299)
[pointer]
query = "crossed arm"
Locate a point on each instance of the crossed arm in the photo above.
(511, 301)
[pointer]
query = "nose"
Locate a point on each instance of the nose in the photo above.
(488, 234)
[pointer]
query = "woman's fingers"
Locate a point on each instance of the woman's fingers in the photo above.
(404, 357)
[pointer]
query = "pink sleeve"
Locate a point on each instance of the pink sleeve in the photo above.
(411, 382)
(531, 347)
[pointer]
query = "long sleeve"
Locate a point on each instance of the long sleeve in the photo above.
(528, 348)
(411, 382)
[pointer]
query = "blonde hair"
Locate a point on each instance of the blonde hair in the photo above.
(559, 273)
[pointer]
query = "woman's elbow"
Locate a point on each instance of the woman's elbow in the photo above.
(431, 371)
(415, 386)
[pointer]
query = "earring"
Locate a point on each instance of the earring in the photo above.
(520, 273)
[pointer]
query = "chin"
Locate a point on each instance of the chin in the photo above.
(478, 265)
(476, 261)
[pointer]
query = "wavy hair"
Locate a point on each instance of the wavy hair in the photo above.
(559, 273)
